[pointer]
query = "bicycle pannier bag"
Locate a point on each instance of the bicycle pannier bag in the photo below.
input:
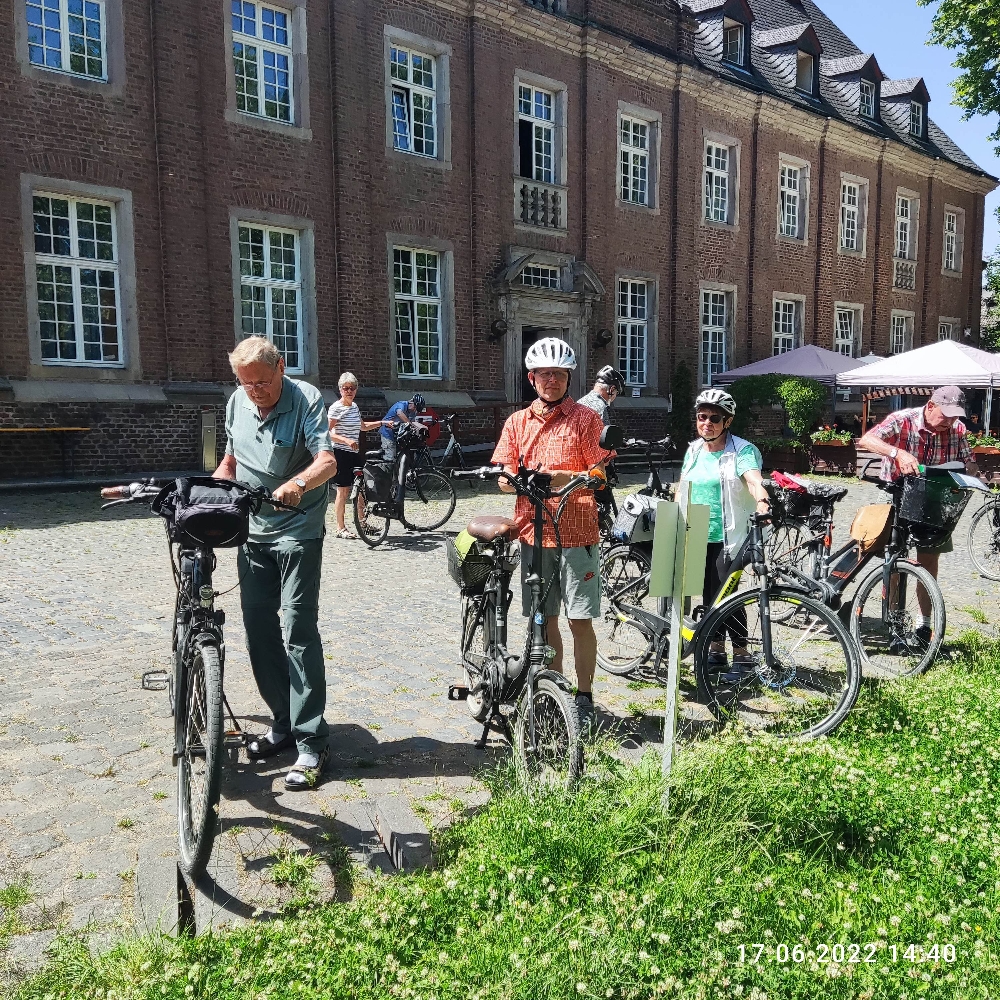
(635, 520)
(208, 514)
(871, 526)
(468, 565)
(378, 480)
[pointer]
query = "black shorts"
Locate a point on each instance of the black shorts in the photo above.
(347, 462)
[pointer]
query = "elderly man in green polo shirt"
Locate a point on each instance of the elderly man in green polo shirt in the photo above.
(277, 437)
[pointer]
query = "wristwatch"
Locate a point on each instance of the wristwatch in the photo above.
(301, 483)
(892, 454)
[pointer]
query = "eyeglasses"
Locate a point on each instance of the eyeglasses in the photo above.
(348, 388)
(711, 418)
(256, 386)
(555, 376)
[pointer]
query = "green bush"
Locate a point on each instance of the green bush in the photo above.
(887, 833)
(802, 398)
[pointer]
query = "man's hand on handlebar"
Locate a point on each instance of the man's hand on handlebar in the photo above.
(288, 493)
(907, 463)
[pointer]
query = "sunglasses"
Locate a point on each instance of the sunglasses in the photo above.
(349, 388)
(711, 418)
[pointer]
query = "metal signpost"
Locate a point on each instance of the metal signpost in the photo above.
(680, 542)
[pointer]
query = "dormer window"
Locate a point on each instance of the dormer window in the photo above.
(805, 72)
(868, 102)
(732, 42)
(916, 119)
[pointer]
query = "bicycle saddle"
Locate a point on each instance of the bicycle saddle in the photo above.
(487, 527)
(374, 453)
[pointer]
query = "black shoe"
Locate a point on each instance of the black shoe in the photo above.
(305, 772)
(588, 715)
(260, 747)
(744, 668)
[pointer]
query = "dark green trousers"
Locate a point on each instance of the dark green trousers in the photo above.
(286, 654)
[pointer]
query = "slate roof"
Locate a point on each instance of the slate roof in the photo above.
(780, 22)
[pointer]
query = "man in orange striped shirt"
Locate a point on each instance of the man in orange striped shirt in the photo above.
(562, 438)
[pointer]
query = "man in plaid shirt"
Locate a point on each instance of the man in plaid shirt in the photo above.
(923, 435)
(562, 438)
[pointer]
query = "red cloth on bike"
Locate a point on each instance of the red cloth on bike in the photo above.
(906, 430)
(567, 439)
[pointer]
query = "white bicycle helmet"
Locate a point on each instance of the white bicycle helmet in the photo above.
(719, 399)
(549, 352)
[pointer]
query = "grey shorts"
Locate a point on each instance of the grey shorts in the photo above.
(578, 588)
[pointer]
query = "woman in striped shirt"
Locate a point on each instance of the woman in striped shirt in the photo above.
(346, 426)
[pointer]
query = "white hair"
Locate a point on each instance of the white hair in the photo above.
(254, 349)
(348, 378)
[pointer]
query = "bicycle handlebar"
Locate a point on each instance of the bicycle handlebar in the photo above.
(523, 481)
(150, 488)
(665, 444)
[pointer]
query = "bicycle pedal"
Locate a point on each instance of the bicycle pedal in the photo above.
(457, 692)
(155, 680)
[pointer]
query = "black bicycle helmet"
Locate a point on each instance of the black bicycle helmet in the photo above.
(610, 375)
(418, 401)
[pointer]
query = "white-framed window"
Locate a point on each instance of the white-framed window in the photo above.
(905, 242)
(846, 331)
(68, 35)
(732, 42)
(805, 72)
(850, 215)
(633, 159)
(536, 109)
(868, 99)
(901, 332)
(714, 333)
(77, 281)
(946, 330)
(540, 276)
(717, 182)
(950, 241)
(262, 60)
(916, 119)
(633, 329)
(792, 200)
(417, 307)
(786, 326)
(271, 289)
(414, 101)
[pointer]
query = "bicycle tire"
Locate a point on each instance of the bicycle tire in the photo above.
(199, 766)
(559, 760)
(475, 646)
(622, 644)
(877, 638)
(984, 540)
(370, 519)
(791, 698)
(429, 501)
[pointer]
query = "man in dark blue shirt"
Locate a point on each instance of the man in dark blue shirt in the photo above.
(399, 413)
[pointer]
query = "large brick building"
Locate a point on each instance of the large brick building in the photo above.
(416, 189)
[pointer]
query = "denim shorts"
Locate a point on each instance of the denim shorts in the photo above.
(578, 588)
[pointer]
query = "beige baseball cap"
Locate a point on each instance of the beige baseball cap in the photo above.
(950, 400)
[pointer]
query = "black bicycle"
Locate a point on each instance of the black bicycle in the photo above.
(405, 490)
(984, 537)
(500, 685)
(201, 514)
(922, 511)
(453, 458)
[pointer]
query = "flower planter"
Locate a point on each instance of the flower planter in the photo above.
(786, 459)
(988, 460)
(834, 458)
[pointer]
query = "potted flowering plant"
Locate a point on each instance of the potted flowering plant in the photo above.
(986, 450)
(833, 451)
(786, 454)
(984, 443)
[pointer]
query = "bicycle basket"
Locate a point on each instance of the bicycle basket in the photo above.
(933, 506)
(635, 520)
(207, 513)
(378, 480)
(468, 565)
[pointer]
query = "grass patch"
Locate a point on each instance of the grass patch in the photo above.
(977, 615)
(292, 868)
(885, 835)
(14, 896)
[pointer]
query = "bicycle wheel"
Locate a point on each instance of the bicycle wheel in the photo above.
(894, 647)
(622, 644)
(476, 652)
(811, 683)
(557, 757)
(984, 540)
(199, 766)
(371, 519)
(430, 500)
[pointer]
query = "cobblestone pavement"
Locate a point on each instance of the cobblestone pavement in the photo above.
(87, 804)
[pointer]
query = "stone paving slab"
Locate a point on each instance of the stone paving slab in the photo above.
(87, 790)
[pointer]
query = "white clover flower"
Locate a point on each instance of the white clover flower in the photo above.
(574, 945)
(581, 987)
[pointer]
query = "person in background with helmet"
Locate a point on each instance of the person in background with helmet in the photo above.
(399, 413)
(723, 472)
(563, 438)
(608, 386)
